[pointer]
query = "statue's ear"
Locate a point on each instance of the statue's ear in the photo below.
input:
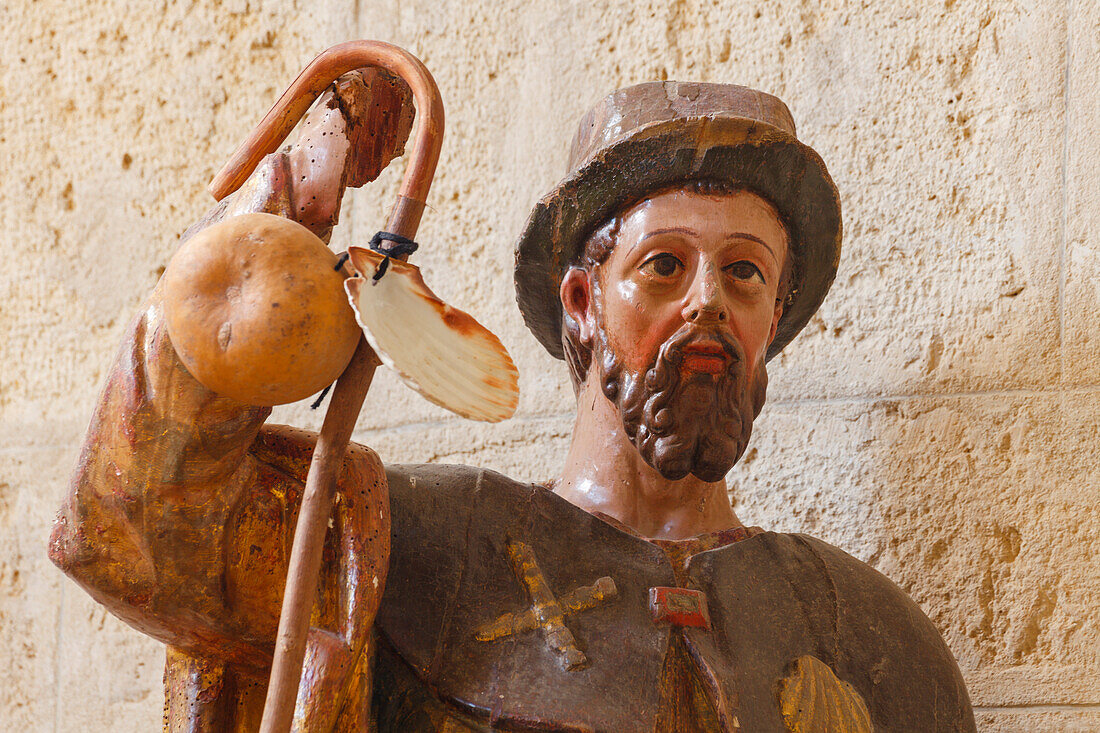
(576, 301)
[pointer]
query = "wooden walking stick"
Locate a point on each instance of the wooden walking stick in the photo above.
(351, 388)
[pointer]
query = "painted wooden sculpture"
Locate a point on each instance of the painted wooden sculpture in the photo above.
(692, 239)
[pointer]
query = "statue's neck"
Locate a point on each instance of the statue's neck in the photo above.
(605, 473)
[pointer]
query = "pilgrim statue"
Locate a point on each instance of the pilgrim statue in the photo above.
(692, 238)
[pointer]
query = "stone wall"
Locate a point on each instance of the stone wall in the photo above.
(936, 419)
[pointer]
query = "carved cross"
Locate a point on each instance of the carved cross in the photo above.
(547, 612)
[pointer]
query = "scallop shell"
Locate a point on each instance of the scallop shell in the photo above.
(812, 699)
(437, 350)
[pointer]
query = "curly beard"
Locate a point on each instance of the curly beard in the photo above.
(693, 423)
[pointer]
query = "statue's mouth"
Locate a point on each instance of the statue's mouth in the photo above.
(704, 356)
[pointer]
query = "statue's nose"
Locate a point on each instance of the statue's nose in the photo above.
(706, 303)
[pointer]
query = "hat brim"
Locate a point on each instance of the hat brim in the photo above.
(757, 157)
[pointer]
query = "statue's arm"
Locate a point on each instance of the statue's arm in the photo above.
(159, 467)
(166, 462)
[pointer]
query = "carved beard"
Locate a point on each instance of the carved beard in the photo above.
(695, 423)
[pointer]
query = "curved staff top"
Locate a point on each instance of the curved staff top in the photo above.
(266, 137)
(351, 388)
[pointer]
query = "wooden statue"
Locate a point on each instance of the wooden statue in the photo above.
(692, 239)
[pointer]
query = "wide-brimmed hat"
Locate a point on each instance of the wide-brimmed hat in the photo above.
(651, 136)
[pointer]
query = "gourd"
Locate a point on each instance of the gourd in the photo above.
(256, 309)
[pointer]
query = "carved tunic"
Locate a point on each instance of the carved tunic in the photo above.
(772, 599)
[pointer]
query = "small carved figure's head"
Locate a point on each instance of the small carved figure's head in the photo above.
(671, 307)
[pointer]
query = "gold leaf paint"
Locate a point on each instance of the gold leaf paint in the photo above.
(812, 699)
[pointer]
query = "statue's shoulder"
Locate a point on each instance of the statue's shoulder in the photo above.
(440, 505)
(821, 602)
(866, 595)
(443, 519)
(441, 484)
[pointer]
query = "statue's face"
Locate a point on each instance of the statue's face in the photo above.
(679, 318)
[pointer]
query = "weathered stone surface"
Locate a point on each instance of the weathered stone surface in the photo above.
(937, 419)
(530, 449)
(31, 591)
(1080, 251)
(115, 117)
(1065, 720)
(945, 187)
(110, 676)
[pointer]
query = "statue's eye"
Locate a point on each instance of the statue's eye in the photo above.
(745, 271)
(662, 265)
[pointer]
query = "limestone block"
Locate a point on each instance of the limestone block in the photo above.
(955, 183)
(982, 508)
(30, 589)
(1081, 307)
(110, 679)
(531, 449)
(1045, 721)
(115, 115)
(944, 126)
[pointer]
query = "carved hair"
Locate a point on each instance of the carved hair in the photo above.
(602, 240)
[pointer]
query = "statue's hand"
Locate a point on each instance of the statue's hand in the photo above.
(348, 137)
(378, 108)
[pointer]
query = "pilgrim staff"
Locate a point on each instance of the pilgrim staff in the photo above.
(265, 242)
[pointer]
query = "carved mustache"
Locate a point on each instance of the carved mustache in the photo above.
(672, 351)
